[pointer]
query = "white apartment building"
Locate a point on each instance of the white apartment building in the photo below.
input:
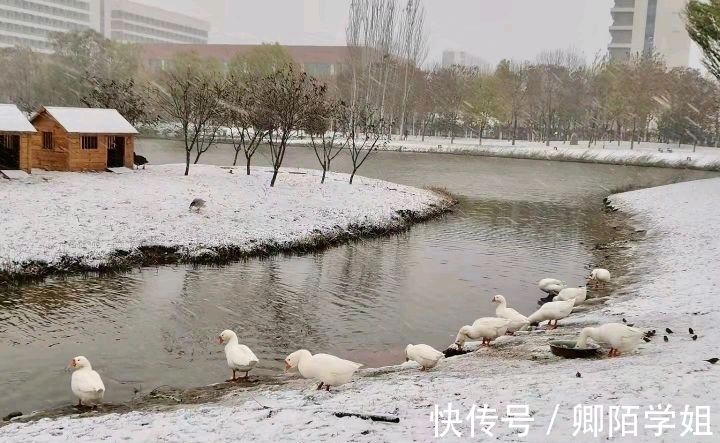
(641, 26)
(133, 22)
(462, 58)
(29, 23)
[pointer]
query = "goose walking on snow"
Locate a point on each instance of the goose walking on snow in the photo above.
(554, 310)
(86, 383)
(579, 294)
(487, 328)
(619, 337)
(599, 276)
(239, 357)
(197, 204)
(325, 368)
(517, 320)
(426, 356)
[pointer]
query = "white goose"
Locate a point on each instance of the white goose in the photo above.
(551, 285)
(239, 357)
(86, 383)
(579, 294)
(554, 310)
(621, 338)
(487, 328)
(326, 368)
(517, 320)
(426, 356)
(599, 276)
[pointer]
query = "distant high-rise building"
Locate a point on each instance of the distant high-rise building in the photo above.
(643, 26)
(132, 22)
(462, 58)
(29, 23)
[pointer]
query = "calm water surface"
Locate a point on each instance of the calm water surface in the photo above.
(518, 221)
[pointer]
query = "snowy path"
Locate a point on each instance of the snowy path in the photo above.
(678, 288)
(90, 216)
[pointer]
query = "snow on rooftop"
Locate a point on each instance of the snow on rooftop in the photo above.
(13, 120)
(90, 120)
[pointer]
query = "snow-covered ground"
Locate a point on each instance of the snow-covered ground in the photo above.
(90, 216)
(676, 285)
(643, 154)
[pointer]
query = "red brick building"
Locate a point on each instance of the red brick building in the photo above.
(319, 61)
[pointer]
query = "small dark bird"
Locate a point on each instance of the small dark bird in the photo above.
(668, 330)
(631, 324)
(647, 340)
(665, 338)
(691, 331)
(694, 337)
(713, 360)
(624, 321)
(578, 375)
(139, 160)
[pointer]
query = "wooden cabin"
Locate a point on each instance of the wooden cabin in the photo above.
(81, 139)
(15, 133)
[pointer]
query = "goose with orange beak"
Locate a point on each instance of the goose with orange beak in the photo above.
(239, 357)
(86, 383)
(325, 368)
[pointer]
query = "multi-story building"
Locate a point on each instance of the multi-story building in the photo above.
(132, 22)
(462, 58)
(30, 23)
(643, 26)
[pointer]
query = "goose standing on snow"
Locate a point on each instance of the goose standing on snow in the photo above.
(197, 204)
(579, 294)
(85, 383)
(487, 328)
(621, 338)
(327, 369)
(517, 320)
(554, 310)
(239, 357)
(426, 356)
(551, 285)
(599, 276)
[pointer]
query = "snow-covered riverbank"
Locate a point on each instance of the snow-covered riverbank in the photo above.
(55, 222)
(604, 152)
(676, 287)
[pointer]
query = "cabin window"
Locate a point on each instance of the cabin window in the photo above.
(89, 142)
(47, 140)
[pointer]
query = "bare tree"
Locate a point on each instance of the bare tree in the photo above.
(366, 127)
(326, 122)
(190, 94)
(281, 105)
(246, 133)
(414, 49)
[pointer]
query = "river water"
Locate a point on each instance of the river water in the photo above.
(517, 221)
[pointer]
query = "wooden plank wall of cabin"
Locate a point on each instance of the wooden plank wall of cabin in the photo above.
(129, 150)
(25, 152)
(88, 159)
(55, 159)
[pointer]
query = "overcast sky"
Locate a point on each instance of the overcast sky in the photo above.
(490, 29)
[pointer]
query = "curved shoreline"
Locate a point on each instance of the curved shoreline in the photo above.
(315, 240)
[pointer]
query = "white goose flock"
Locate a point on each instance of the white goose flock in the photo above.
(331, 371)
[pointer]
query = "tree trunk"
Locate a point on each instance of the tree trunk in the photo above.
(632, 136)
(352, 176)
(237, 152)
(514, 134)
(197, 157)
(274, 177)
(322, 180)
(248, 164)
(187, 162)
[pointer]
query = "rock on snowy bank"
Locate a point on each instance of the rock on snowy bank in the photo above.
(60, 222)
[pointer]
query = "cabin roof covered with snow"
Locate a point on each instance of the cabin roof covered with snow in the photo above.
(13, 120)
(88, 120)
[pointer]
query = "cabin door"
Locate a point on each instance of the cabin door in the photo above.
(9, 151)
(116, 152)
